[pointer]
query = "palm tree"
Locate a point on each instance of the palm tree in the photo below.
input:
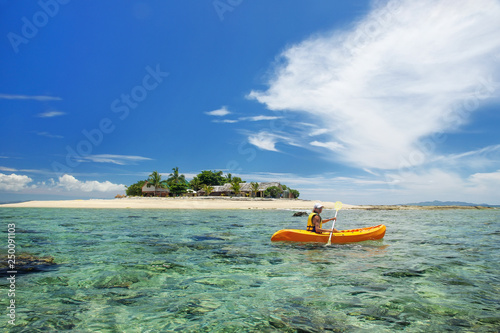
(236, 187)
(208, 189)
(175, 178)
(155, 180)
(195, 183)
(255, 188)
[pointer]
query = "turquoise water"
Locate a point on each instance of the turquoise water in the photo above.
(217, 271)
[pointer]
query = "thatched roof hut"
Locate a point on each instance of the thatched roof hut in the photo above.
(149, 190)
(245, 188)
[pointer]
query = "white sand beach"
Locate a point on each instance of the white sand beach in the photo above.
(180, 203)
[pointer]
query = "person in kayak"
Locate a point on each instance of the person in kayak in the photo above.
(315, 222)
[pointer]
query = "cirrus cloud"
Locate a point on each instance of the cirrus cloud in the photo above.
(406, 71)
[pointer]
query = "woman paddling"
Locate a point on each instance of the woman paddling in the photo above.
(315, 222)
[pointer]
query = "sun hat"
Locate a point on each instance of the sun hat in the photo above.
(318, 206)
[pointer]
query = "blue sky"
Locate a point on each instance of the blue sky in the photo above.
(364, 102)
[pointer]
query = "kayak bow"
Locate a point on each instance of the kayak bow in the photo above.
(344, 236)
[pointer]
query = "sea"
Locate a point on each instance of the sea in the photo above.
(123, 270)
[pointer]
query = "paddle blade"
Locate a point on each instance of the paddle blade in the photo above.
(337, 205)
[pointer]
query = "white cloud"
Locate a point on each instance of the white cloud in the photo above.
(475, 159)
(264, 140)
(319, 132)
(226, 121)
(14, 182)
(260, 118)
(333, 146)
(484, 186)
(391, 187)
(408, 70)
(50, 114)
(26, 97)
(66, 183)
(254, 118)
(219, 112)
(6, 169)
(48, 135)
(114, 159)
(486, 178)
(70, 183)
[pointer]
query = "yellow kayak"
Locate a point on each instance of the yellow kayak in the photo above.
(344, 236)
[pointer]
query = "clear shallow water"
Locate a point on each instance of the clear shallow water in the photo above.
(217, 271)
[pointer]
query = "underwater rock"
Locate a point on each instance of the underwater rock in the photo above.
(300, 214)
(206, 238)
(26, 263)
(405, 273)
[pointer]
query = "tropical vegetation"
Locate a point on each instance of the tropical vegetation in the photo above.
(177, 184)
(155, 180)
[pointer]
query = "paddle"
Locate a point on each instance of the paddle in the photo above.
(337, 206)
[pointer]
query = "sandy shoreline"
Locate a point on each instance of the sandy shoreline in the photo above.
(210, 203)
(178, 203)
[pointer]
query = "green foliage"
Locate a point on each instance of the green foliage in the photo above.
(135, 189)
(178, 189)
(236, 187)
(255, 188)
(212, 178)
(155, 180)
(176, 178)
(178, 185)
(208, 189)
(237, 180)
(195, 184)
(273, 192)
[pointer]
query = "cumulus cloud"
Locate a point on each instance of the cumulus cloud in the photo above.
(407, 70)
(70, 183)
(67, 183)
(14, 182)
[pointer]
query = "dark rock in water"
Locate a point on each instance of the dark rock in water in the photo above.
(275, 261)
(26, 263)
(205, 238)
(405, 273)
(300, 214)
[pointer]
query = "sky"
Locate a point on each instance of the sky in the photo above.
(364, 102)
